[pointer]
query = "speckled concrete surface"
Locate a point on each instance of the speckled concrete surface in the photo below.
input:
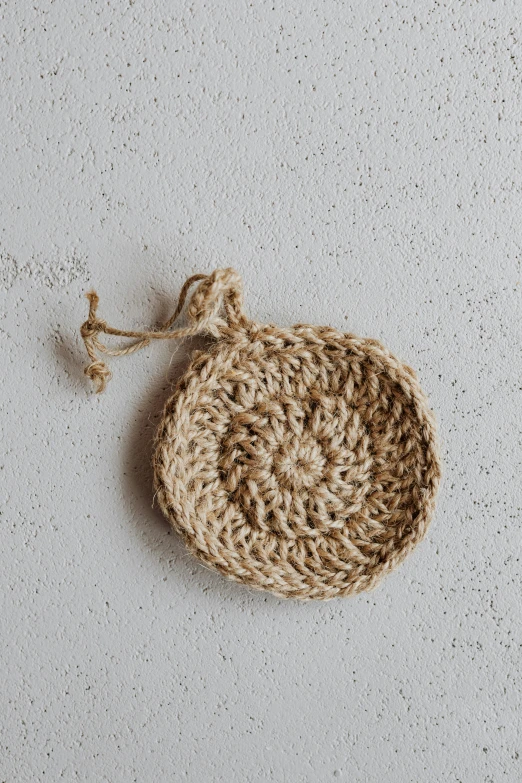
(360, 164)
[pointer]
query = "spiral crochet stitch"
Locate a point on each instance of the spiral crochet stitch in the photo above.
(300, 460)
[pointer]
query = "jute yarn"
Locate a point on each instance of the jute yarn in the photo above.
(299, 460)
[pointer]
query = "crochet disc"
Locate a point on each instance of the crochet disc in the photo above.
(302, 461)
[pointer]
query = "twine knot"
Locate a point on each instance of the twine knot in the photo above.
(92, 327)
(99, 374)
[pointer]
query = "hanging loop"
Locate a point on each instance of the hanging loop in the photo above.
(221, 289)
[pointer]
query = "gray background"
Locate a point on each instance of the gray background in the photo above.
(360, 164)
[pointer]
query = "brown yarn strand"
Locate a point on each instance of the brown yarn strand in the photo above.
(298, 460)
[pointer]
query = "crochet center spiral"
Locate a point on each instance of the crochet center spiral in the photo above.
(302, 461)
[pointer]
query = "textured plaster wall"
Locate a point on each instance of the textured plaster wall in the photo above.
(361, 164)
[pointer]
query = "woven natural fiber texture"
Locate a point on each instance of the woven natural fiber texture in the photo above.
(299, 460)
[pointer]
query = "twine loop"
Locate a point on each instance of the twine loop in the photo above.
(221, 289)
